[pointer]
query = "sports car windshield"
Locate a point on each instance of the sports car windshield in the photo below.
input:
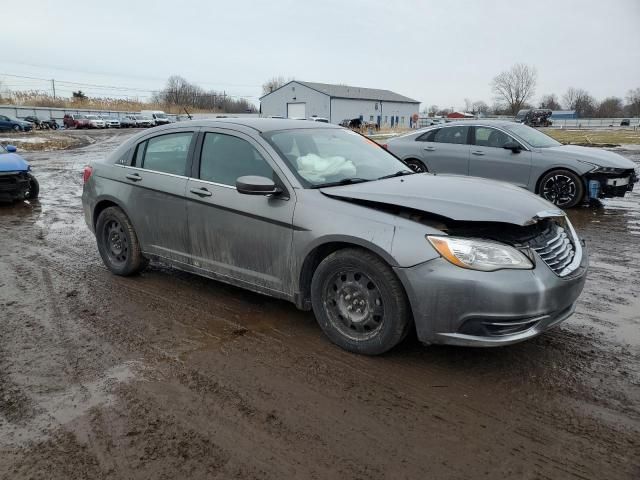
(532, 136)
(333, 156)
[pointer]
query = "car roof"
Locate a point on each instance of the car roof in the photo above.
(486, 122)
(259, 124)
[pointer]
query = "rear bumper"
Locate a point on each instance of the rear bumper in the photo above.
(457, 306)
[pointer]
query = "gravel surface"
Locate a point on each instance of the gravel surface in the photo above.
(169, 375)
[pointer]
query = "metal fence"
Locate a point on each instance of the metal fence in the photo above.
(586, 123)
(45, 113)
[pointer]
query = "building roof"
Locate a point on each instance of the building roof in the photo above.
(358, 93)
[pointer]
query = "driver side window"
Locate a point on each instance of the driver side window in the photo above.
(490, 137)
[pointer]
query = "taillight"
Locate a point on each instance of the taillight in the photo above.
(385, 146)
(86, 173)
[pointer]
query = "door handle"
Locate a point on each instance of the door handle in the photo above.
(134, 177)
(429, 149)
(478, 152)
(202, 192)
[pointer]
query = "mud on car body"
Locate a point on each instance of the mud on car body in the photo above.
(323, 217)
(16, 180)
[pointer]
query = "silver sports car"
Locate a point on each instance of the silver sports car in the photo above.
(323, 217)
(512, 152)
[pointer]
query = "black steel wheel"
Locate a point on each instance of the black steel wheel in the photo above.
(562, 188)
(359, 302)
(117, 243)
(416, 165)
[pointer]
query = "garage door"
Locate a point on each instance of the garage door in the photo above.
(296, 110)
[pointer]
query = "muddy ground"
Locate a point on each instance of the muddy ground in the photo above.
(168, 375)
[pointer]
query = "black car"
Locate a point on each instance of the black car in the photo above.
(9, 123)
(625, 122)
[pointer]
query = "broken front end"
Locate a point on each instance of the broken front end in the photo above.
(605, 182)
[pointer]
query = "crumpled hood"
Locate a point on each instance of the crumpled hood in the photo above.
(596, 156)
(12, 162)
(455, 197)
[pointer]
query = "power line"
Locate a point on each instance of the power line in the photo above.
(109, 87)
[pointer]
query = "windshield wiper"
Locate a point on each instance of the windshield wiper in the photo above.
(344, 181)
(400, 173)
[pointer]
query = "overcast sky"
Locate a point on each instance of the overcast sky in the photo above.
(436, 51)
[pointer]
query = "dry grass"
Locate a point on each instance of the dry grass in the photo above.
(595, 137)
(40, 99)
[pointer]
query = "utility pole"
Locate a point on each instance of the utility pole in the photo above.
(53, 86)
(224, 100)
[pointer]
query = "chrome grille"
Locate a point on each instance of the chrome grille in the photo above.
(558, 253)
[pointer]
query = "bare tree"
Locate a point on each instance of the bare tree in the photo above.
(581, 101)
(274, 83)
(610, 107)
(515, 86)
(550, 101)
(633, 97)
(468, 105)
(433, 109)
(480, 107)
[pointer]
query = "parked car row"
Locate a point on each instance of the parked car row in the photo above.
(79, 121)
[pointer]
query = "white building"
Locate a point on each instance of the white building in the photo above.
(298, 99)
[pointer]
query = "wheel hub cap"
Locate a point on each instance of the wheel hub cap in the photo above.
(354, 305)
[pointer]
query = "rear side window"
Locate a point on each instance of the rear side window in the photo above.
(165, 153)
(457, 135)
(225, 158)
(429, 136)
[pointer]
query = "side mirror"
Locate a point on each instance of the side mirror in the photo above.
(11, 148)
(255, 185)
(515, 147)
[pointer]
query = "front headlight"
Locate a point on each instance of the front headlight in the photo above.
(479, 254)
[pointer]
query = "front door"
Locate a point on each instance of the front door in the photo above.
(446, 150)
(490, 160)
(243, 237)
(154, 185)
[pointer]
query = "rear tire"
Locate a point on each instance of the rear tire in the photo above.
(562, 187)
(118, 243)
(416, 165)
(359, 302)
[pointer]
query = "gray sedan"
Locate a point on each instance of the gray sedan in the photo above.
(325, 218)
(563, 174)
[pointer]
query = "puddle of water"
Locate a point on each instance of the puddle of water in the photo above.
(63, 408)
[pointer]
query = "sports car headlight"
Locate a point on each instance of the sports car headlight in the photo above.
(479, 254)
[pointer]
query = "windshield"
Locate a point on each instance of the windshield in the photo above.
(321, 156)
(533, 137)
(91, 117)
(160, 115)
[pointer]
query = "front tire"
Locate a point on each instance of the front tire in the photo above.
(118, 243)
(359, 302)
(562, 187)
(416, 165)
(34, 188)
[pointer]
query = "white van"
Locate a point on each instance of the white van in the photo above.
(158, 116)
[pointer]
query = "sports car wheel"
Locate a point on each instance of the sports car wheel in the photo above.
(562, 188)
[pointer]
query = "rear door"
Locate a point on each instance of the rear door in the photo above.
(446, 149)
(490, 160)
(247, 238)
(5, 123)
(155, 183)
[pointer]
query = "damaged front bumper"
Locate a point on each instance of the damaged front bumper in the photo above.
(457, 306)
(13, 186)
(610, 182)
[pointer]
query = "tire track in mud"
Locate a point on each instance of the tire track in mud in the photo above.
(356, 365)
